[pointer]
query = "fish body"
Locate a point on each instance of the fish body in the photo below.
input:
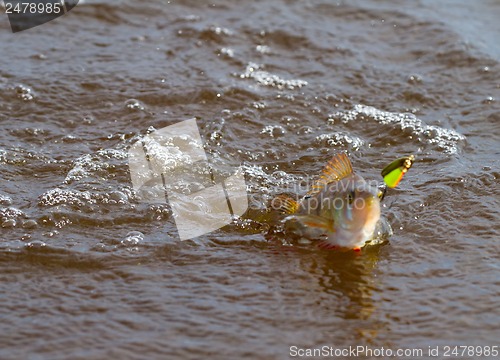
(341, 205)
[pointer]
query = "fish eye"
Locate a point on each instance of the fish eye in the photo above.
(350, 197)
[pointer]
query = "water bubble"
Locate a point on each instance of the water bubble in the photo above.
(60, 196)
(88, 119)
(23, 92)
(134, 104)
(227, 52)
(118, 196)
(51, 233)
(263, 49)
(259, 105)
(414, 79)
(35, 244)
(11, 213)
(5, 200)
(273, 130)
(220, 30)
(305, 130)
(265, 78)
(30, 224)
(39, 56)
(133, 238)
(339, 139)
(9, 223)
(138, 38)
(192, 17)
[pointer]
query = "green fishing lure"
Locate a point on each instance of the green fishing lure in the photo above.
(394, 172)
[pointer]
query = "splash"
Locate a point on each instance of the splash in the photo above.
(95, 165)
(446, 139)
(339, 139)
(253, 71)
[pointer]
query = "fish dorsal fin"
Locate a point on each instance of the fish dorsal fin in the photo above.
(284, 203)
(336, 169)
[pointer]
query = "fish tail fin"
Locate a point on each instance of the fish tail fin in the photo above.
(285, 203)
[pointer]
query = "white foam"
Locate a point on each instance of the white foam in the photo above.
(253, 71)
(87, 165)
(60, 196)
(340, 139)
(446, 139)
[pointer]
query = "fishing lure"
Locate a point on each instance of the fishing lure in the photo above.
(394, 172)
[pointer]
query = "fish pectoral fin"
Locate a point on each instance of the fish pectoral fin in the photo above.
(338, 168)
(316, 221)
(284, 203)
(327, 245)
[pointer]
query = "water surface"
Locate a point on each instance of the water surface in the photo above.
(278, 87)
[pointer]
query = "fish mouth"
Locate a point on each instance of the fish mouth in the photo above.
(372, 201)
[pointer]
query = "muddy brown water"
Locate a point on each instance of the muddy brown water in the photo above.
(88, 272)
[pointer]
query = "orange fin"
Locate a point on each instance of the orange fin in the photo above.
(325, 244)
(336, 169)
(316, 221)
(284, 203)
